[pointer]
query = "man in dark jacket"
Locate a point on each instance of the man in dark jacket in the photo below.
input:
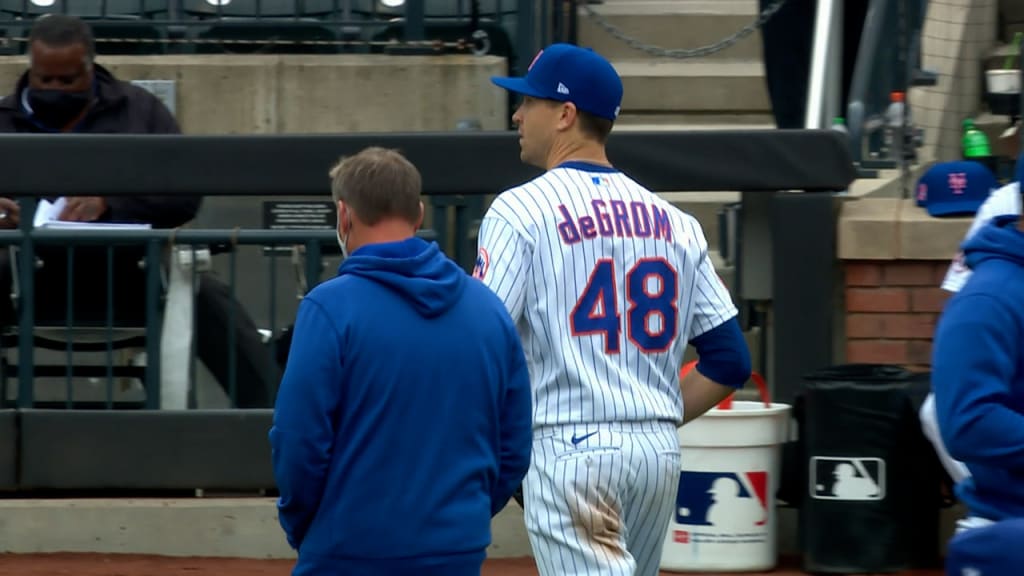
(65, 91)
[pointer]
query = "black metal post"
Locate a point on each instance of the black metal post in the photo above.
(313, 264)
(414, 20)
(154, 323)
(26, 305)
(803, 288)
(526, 30)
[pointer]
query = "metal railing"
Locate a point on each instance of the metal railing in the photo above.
(825, 85)
(125, 165)
(152, 246)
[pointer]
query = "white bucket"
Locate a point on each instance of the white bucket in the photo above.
(1003, 81)
(724, 518)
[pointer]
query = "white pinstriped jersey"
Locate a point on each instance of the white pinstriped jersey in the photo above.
(607, 283)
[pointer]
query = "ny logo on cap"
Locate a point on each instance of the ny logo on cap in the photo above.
(535, 58)
(958, 182)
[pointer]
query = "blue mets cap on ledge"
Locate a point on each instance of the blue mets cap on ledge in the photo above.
(953, 188)
(993, 550)
(568, 73)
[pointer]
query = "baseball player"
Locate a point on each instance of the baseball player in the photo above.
(607, 284)
(1002, 201)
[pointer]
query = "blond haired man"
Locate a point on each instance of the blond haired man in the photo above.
(403, 421)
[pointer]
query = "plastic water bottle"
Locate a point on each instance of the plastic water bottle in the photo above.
(839, 125)
(894, 125)
(975, 142)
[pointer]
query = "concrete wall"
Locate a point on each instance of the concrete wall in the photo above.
(957, 36)
(260, 94)
(895, 257)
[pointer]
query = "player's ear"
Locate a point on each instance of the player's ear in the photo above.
(342, 216)
(567, 115)
(419, 221)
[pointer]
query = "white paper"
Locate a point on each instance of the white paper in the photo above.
(47, 213)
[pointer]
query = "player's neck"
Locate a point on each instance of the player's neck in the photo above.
(385, 231)
(589, 152)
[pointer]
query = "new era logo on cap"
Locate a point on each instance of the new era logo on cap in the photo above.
(955, 188)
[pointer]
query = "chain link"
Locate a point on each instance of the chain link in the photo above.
(707, 50)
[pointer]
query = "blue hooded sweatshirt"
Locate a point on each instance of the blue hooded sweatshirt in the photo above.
(403, 421)
(978, 372)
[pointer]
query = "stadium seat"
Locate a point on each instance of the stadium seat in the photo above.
(262, 26)
(120, 26)
(263, 37)
(260, 8)
(114, 9)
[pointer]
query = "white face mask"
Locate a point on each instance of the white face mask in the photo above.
(341, 244)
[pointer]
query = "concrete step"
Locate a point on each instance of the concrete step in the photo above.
(237, 528)
(227, 527)
(693, 86)
(674, 24)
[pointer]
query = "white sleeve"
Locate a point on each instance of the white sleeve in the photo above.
(712, 304)
(503, 261)
(1003, 201)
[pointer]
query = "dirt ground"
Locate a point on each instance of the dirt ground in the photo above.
(134, 565)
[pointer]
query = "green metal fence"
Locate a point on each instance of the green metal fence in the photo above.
(126, 320)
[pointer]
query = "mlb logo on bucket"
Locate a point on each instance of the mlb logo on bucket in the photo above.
(726, 501)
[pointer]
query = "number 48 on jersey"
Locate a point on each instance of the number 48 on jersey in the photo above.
(651, 317)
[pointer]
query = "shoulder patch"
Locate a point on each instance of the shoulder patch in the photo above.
(483, 262)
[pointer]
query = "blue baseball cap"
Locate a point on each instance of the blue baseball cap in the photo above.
(949, 188)
(993, 550)
(568, 73)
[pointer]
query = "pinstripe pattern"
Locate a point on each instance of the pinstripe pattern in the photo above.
(607, 283)
(540, 278)
(601, 508)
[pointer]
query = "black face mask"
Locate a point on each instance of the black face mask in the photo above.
(56, 108)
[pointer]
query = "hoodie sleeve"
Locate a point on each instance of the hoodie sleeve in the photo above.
(303, 432)
(502, 262)
(974, 359)
(516, 428)
(159, 211)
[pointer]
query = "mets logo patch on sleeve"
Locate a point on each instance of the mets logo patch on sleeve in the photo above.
(483, 262)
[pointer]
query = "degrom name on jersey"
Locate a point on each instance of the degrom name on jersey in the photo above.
(633, 273)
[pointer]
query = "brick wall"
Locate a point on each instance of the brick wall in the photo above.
(891, 310)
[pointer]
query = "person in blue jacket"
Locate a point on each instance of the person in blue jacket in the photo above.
(978, 374)
(403, 421)
(992, 550)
